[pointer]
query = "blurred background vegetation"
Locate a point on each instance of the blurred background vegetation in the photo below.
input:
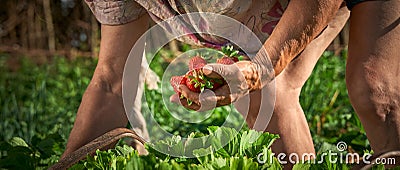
(47, 28)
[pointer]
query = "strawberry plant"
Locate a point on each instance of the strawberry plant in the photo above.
(240, 153)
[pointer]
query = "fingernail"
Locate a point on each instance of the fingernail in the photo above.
(173, 99)
(207, 69)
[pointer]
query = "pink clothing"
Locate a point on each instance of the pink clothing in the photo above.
(260, 16)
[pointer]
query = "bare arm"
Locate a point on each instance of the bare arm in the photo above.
(102, 109)
(301, 22)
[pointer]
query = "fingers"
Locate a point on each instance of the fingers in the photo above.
(208, 71)
(245, 58)
(216, 71)
(204, 101)
(208, 100)
(192, 106)
(175, 98)
(192, 96)
(236, 78)
(223, 95)
(230, 73)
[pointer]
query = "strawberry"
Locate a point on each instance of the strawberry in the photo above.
(197, 82)
(176, 81)
(217, 83)
(193, 80)
(226, 60)
(196, 62)
(235, 59)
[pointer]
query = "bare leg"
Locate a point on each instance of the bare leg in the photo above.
(288, 119)
(373, 70)
(101, 109)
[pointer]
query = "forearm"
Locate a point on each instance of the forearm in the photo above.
(301, 22)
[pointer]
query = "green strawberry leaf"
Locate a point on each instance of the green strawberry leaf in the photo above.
(189, 102)
(233, 53)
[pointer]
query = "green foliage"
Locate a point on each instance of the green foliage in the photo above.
(41, 99)
(240, 153)
(39, 153)
(38, 103)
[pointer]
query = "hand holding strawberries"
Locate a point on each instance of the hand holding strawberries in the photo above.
(218, 84)
(239, 79)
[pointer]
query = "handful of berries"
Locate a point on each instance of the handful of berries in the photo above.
(195, 80)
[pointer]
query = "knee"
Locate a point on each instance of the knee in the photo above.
(356, 87)
(358, 90)
(370, 94)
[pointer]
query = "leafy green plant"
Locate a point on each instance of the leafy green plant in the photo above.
(241, 152)
(39, 153)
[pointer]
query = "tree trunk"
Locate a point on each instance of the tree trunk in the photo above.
(39, 38)
(49, 25)
(31, 25)
(13, 18)
(23, 34)
(94, 39)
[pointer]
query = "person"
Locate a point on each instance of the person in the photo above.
(371, 67)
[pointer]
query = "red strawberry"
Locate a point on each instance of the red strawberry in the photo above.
(196, 62)
(194, 81)
(197, 82)
(216, 83)
(235, 59)
(176, 81)
(226, 60)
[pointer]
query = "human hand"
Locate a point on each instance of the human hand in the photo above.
(241, 78)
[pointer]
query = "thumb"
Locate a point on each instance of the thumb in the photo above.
(217, 71)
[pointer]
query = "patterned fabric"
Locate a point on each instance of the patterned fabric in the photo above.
(115, 12)
(261, 16)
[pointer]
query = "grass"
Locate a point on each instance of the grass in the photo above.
(41, 99)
